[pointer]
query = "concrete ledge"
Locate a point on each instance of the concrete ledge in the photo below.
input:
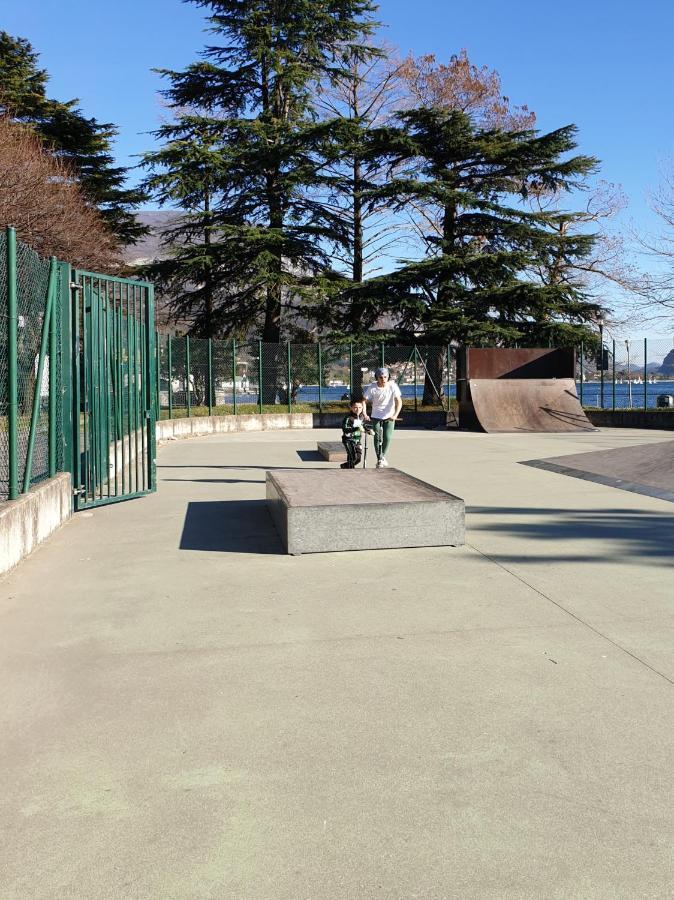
(26, 522)
(333, 451)
(172, 429)
(660, 419)
(322, 510)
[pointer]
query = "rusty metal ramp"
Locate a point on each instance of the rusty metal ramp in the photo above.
(528, 404)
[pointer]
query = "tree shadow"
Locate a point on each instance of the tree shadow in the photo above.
(230, 526)
(633, 534)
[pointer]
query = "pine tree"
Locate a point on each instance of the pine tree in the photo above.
(83, 143)
(186, 175)
(269, 231)
(476, 282)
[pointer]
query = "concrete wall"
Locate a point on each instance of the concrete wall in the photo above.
(171, 429)
(632, 418)
(26, 522)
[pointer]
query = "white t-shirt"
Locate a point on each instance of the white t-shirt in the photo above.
(382, 399)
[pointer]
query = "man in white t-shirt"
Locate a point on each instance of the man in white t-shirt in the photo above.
(386, 402)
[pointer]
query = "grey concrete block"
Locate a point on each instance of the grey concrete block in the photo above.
(318, 510)
(333, 451)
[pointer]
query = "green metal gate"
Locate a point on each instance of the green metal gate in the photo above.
(114, 390)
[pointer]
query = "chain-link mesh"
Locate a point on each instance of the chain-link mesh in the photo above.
(4, 374)
(32, 280)
(629, 374)
(32, 274)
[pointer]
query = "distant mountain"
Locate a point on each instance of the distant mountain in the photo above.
(667, 367)
(149, 248)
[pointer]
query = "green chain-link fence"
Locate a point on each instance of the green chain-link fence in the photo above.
(204, 377)
(629, 373)
(30, 367)
(227, 377)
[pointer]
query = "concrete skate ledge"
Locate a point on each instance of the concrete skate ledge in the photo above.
(323, 510)
(29, 520)
(333, 451)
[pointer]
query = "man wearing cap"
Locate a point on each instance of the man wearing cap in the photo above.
(386, 402)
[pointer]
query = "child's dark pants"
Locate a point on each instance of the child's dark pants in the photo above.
(353, 453)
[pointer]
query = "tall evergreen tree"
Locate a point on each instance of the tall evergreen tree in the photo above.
(83, 143)
(475, 282)
(268, 229)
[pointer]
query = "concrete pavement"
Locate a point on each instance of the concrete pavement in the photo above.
(187, 713)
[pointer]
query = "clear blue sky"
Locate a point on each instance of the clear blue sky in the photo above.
(606, 66)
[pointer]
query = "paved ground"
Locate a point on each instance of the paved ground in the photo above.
(187, 713)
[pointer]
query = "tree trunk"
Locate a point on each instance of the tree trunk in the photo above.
(434, 360)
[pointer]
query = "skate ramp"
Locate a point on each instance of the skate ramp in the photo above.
(642, 469)
(527, 404)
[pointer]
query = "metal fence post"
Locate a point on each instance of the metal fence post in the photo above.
(320, 379)
(12, 365)
(157, 376)
(210, 376)
(382, 355)
(415, 379)
(449, 377)
(259, 373)
(290, 386)
(188, 386)
(645, 373)
(582, 373)
(234, 374)
(601, 359)
(44, 343)
(350, 369)
(53, 384)
(66, 388)
(613, 399)
(169, 363)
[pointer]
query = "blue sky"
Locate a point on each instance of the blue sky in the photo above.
(606, 66)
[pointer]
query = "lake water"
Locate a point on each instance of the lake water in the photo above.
(625, 395)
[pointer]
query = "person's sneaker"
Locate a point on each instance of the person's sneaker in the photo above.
(382, 462)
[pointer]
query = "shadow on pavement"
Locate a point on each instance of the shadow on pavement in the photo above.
(310, 456)
(230, 526)
(642, 535)
(216, 480)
